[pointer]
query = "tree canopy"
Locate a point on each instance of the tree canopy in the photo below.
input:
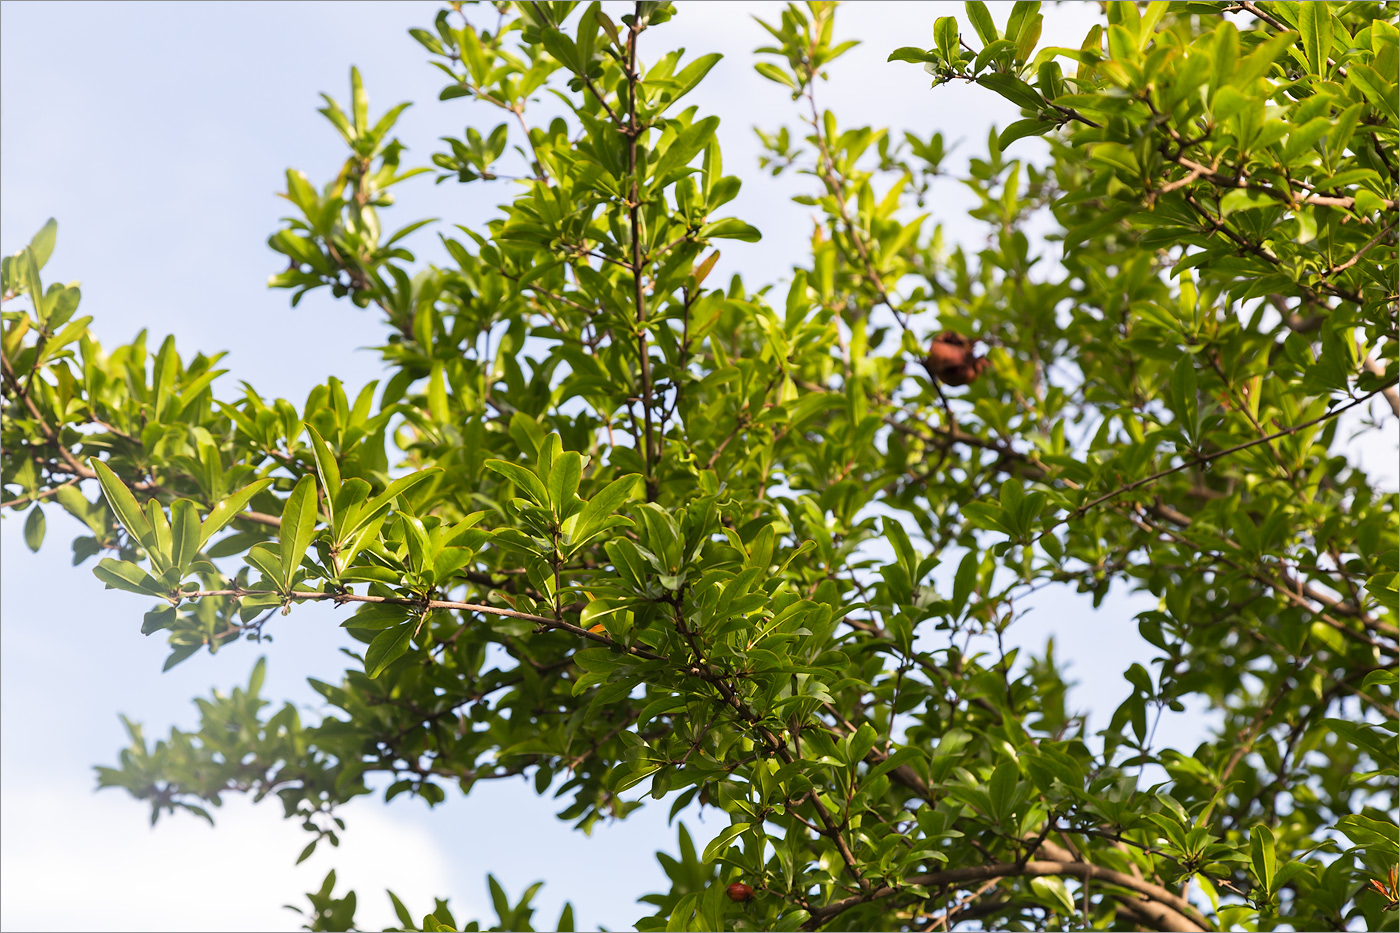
(650, 539)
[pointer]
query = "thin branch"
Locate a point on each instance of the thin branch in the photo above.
(1361, 252)
(22, 391)
(543, 621)
(649, 452)
(40, 494)
(1207, 458)
(826, 170)
(1175, 912)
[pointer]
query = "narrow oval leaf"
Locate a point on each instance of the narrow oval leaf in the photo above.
(124, 575)
(298, 527)
(228, 508)
(382, 501)
(604, 504)
(720, 842)
(327, 471)
(388, 646)
(526, 481)
(34, 528)
(184, 533)
(123, 503)
(564, 476)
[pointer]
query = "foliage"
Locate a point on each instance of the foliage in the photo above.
(641, 535)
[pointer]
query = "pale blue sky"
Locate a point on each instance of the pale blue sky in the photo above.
(157, 134)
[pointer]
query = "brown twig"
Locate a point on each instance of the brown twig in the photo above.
(1207, 458)
(650, 454)
(543, 621)
(1176, 913)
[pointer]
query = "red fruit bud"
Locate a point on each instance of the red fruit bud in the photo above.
(738, 891)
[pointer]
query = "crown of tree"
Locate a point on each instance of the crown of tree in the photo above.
(650, 539)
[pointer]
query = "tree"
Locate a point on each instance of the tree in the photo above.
(641, 534)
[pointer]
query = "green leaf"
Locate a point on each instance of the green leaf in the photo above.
(158, 619)
(1258, 62)
(603, 504)
(381, 502)
(721, 842)
(1023, 128)
(1013, 89)
(124, 504)
(1376, 835)
(900, 756)
(1053, 890)
(1002, 789)
(1378, 90)
(564, 477)
(388, 646)
(376, 617)
(964, 580)
(124, 575)
(160, 550)
(357, 540)
(359, 102)
(34, 528)
(730, 228)
(1315, 23)
(327, 470)
(773, 73)
(524, 480)
(185, 533)
(298, 527)
(686, 146)
(982, 21)
(177, 655)
(437, 393)
(34, 285)
(266, 560)
(1183, 396)
(228, 508)
(386, 122)
(400, 911)
(1261, 854)
(1382, 678)
(910, 54)
(945, 36)
(43, 242)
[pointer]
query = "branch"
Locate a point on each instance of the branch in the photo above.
(1303, 325)
(75, 467)
(1391, 395)
(1361, 252)
(649, 453)
(1207, 458)
(1173, 912)
(1384, 708)
(1213, 175)
(826, 170)
(542, 621)
(1217, 224)
(1250, 7)
(39, 494)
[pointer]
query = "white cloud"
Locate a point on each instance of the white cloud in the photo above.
(71, 859)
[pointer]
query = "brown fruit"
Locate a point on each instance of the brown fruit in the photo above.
(962, 375)
(738, 891)
(951, 361)
(942, 356)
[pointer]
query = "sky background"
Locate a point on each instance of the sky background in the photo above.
(157, 134)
